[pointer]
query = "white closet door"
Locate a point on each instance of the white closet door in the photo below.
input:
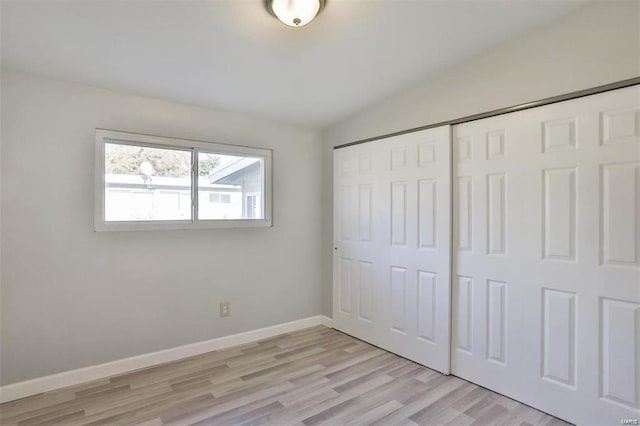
(546, 286)
(392, 244)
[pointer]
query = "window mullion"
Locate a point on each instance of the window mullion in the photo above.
(194, 184)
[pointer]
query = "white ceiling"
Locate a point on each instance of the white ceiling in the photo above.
(233, 55)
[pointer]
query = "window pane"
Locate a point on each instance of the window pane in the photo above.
(230, 187)
(143, 183)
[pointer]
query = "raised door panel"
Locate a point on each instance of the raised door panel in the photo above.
(620, 365)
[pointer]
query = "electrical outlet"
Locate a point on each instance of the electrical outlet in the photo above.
(224, 309)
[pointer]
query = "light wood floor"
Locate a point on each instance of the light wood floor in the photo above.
(314, 376)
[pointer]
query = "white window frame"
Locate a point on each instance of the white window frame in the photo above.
(100, 224)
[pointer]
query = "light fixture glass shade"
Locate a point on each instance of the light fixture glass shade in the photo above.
(295, 13)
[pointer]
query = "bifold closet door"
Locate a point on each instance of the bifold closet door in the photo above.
(392, 210)
(546, 285)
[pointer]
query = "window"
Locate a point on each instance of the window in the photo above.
(251, 206)
(149, 182)
(218, 198)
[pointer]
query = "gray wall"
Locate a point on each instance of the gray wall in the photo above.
(72, 297)
(595, 45)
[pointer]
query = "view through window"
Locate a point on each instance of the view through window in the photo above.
(225, 182)
(144, 183)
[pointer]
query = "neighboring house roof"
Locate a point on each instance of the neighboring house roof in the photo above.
(233, 172)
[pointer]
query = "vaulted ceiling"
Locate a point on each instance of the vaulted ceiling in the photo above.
(232, 55)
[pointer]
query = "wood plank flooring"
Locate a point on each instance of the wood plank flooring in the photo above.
(310, 377)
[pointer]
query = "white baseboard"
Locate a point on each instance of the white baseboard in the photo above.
(101, 371)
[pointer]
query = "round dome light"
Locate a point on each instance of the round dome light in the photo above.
(295, 13)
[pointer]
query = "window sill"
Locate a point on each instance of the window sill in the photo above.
(181, 225)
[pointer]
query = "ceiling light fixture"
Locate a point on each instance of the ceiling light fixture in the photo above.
(295, 13)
